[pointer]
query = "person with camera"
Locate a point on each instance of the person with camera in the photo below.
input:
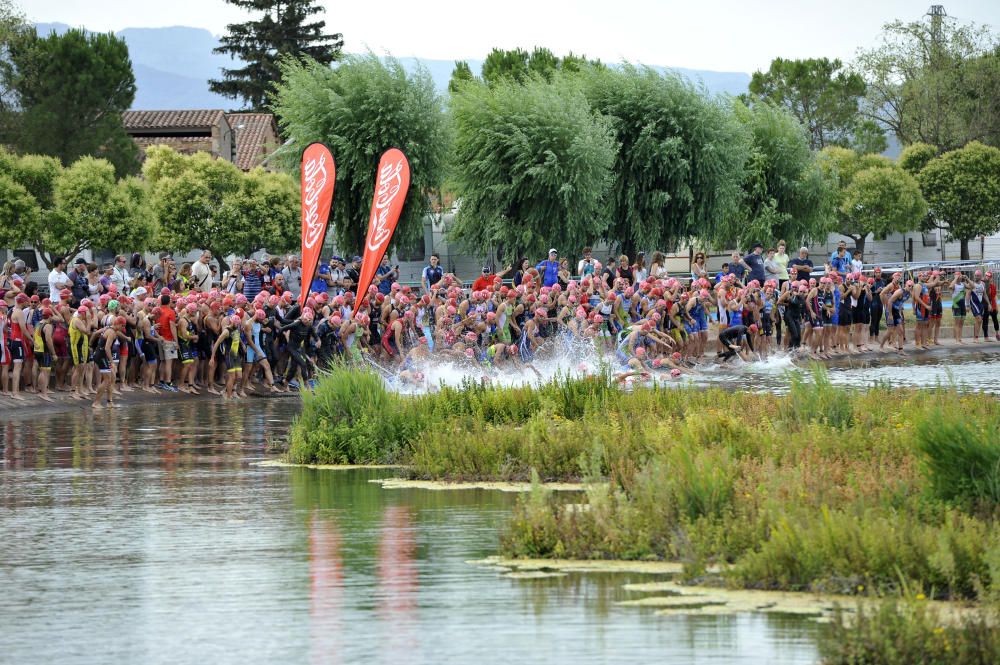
(587, 266)
(385, 276)
(293, 276)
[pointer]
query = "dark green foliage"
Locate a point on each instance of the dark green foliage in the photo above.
(910, 632)
(681, 157)
(962, 458)
(535, 166)
(68, 92)
(360, 109)
(283, 31)
(785, 193)
(821, 94)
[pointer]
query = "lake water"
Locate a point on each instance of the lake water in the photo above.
(149, 536)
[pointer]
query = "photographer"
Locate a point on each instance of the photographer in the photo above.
(587, 265)
(385, 276)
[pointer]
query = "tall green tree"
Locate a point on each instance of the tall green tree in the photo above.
(819, 92)
(284, 30)
(785, 192)
(360, 109)
(536, 167)
(68, 94)
(935, 81)
(461, 75)
(681, 159)
(518, 65)
(962, 188)
(205, 203)
(875, 195)
(916, 156)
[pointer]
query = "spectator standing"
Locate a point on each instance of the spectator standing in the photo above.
(587, 266)
(58, 280)
(781, 258)
(253, 280)
(201, 273)
(293, 276)
(431, 274)
(385, 276)
(841, 259)
(232, 282)
(857, 263)
(338, 275)
(755, 262)
(80, 287)
(801, 265)
(120, 276)
(549, 270)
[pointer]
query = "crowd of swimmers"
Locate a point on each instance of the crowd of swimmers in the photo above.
(230, 342)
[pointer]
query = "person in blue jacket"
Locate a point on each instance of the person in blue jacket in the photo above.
(549, 270)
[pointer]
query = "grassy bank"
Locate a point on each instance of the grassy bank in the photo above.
(821, 489)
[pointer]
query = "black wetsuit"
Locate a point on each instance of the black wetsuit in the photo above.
(734, 335)
(300, 334)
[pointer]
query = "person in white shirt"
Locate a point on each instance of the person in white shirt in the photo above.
(857, 263)
(201, 273)
(293, 276)
(119, 274)
(58, 280)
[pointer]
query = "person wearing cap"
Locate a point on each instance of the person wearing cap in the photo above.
(79, 285)
(323, 279)
(58, 280)
(338, 276)
(20, 335)
(732, 340)
(45, 351)
(487, 279)
(549, 269)
(755, 262)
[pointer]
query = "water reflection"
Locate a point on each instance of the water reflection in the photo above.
(147, 536)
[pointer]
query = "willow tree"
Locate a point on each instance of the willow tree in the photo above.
(361, 108)
(534, 166)
(785, 192)
(680, 160)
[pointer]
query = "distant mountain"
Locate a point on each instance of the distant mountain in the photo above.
(173, 65)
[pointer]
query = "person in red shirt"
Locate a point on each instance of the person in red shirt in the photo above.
(487, 279)
(991, 300)
(166, 328)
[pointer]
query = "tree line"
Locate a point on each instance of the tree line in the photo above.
(182, 202)
(541, 149)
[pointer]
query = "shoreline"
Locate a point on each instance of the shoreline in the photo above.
(62, 403)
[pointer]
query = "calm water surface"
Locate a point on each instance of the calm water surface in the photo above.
(150, 537)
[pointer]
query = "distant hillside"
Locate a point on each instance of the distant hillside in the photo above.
(173, 66)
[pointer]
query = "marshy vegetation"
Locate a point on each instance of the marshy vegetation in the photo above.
(876, 491)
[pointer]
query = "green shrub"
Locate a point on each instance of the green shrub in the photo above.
(961, 457)
(910, 632)
(816, 399)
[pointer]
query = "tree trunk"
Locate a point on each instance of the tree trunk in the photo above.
(859, 244)
(223, 266)
(965, 248)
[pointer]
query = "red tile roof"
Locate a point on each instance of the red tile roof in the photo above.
(151, 120)
(253, 132)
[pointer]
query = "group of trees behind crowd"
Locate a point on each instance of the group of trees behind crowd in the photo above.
(540, 150)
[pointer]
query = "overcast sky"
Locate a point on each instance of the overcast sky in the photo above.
(722, 35)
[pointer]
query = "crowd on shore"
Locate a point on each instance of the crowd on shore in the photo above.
(133, 326)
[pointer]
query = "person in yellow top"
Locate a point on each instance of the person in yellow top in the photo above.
(781, 258)
(45, 351)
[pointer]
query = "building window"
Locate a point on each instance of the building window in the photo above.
(412, 251)
(29, 257)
